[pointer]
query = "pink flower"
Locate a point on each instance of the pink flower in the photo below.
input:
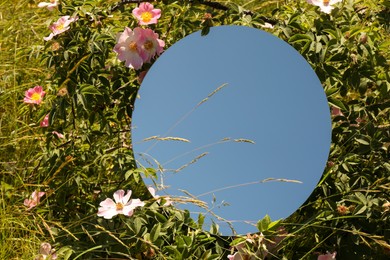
(138, 46)
(34, 199)
(151, 45)
(236, 256)
(59, 135)
(49, 5)
(337, 111)
(325, 5)
(128, 47)
(240, 255)
(45, 121)
(146, 14)
(46, 251)
(60, 26)
(328, 256)
(152, 191)
(34, 95)
(122, 205)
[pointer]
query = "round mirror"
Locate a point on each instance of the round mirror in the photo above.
(236, 119)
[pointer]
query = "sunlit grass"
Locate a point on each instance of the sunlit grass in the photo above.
(22, 26)
(20, 234)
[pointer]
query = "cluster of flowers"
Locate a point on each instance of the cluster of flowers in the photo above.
(62, 24)
(34, 96)
(134, 47)
(325, 5)
(122, 204)
(263, 247)
(140, 45)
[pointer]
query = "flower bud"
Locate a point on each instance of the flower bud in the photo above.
(207, 16)
(363, 38)
(62, 92)
(55, 46)
(354, 58)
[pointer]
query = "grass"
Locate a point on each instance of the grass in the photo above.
(22, 25)
(20, 235)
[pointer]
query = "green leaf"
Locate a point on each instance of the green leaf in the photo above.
(65, 252)
(237, 241)
(362, 141)
(338, 57)
(337, 103)
(137, 225)
(274, 225)
(331, 91)
(155, 233)
(300, 38)
(361, 197)
(214, 228)
(331, 32)
(263, 224)
(150, 172)
(200, 220)
(360, 209)
(128, 174)
(205, 31)
(206, 255)
(318, 47)
(89, 89)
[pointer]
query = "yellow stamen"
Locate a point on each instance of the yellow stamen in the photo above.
(119, 206)
(326, 2)
(148, 45)
(36, 96)
(133, 46)
(60, 27)
(146, 17)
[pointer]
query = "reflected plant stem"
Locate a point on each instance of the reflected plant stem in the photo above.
(224, 140)
(203, 205)
(248, 183)
(162, 169)
(189, 113)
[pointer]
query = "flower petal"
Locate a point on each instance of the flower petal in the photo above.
(126, 198)
(118, 196)
(107, 213)
(137, 203)
(108, 203)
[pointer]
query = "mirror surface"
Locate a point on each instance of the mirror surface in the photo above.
(256, 118)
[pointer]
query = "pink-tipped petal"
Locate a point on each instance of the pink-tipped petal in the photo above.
(118, 196)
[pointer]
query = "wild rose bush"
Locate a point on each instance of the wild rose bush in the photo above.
(80, 118)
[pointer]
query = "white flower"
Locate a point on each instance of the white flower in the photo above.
(325, 5)
(49, 5)
(122, 205)
(267, 25)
